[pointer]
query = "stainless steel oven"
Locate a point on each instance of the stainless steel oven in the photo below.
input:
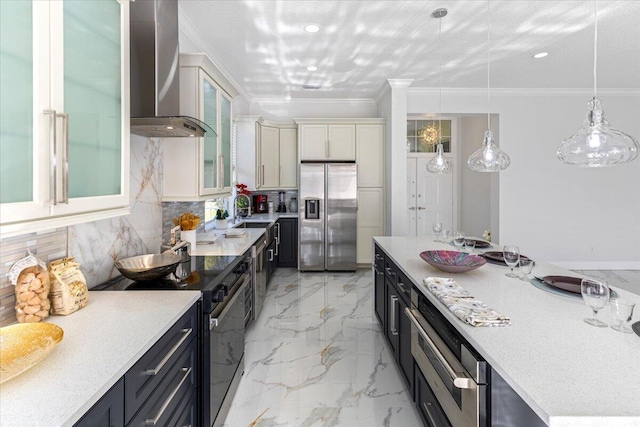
(456, 375)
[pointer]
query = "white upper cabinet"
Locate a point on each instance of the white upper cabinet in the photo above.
(327, 141)
(277, 156)
(64, 113)
(370, 155)
(200, 168)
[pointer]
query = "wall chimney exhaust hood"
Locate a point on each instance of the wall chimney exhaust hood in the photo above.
(155, 72)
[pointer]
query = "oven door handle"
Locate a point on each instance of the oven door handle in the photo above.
(460, 381)
(215, 321)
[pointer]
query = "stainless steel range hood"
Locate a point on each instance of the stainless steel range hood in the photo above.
(155, 72)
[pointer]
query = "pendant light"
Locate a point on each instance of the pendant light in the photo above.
(440, 165)
(597, 144)
(488, 158)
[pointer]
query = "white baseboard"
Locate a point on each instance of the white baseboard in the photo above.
(600, 265)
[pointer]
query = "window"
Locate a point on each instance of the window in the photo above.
(423, 135)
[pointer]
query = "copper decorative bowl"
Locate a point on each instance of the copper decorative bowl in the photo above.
(452, 261)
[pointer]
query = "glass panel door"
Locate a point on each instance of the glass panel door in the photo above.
(225, 139)
(16, 101)
(210, 140)
(92, 96)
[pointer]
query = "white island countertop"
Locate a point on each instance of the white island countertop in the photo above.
(570, 373)
(101, 343)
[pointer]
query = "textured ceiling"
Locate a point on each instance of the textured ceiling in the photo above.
(264, 47)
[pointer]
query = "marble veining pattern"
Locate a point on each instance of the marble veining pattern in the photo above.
(97, 245)
(316, 357)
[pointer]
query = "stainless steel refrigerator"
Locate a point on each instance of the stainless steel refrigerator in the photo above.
(327, 206)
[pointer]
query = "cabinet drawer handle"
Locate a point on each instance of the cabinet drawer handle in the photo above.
(262, 176)
(171, 352)
(426, 405)
(389, 272)
(154, 421)
(460, 381)
(402, 287)
(393, 328)
(270, 254)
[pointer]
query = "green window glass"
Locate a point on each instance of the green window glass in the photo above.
(16, 101)
(92, 96)
(210, 158)
(225, 129)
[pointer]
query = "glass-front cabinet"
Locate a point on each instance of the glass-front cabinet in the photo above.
(200, 168)
(64, 112)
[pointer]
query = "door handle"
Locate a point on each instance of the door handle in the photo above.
(262, 175)
(412, 208)
(65, 158)
(53, 154)
(393, 328)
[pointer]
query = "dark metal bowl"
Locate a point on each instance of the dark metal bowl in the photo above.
(149, 267)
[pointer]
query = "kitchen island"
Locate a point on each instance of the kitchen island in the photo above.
(570, 373)
(101, 342)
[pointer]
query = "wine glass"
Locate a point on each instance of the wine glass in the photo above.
(622, 311)
(526, 265)
(458, 239)
(437, 228)
(469, 245)
(511, 258)
(595, 294)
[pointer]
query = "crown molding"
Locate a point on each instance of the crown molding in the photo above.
(453, 91)
(312, 101)
(342, 120)
(382, 92)
(186, 25)
(399, 83)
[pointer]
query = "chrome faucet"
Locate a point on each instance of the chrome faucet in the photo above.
(236, 217)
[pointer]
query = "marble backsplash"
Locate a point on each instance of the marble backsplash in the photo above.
(97, 245)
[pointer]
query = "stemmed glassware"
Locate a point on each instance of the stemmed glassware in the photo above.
(458, 239)
(445, 236)
(622, 311)
(595, 294)
(511, 258)
(437, 228)
(526, 265)
(469, 245)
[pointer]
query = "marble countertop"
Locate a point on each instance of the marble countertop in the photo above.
(570, 373)
(235, 245)
(101, 343)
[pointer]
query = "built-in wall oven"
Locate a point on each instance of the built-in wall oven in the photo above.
(456, 376)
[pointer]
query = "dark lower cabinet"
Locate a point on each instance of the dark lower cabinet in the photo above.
(288, 249)
(160, 389)
(108, 412)
(428, 407)
(392, 294)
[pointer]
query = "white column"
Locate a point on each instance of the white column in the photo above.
(397, 214)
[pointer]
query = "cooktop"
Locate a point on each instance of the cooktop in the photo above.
(206, 273)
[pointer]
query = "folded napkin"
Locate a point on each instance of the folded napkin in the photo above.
(465, 306)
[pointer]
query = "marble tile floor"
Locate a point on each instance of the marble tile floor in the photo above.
(316, 357)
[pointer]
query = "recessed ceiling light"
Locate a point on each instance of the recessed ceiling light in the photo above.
(540, 55)
(312, 28)
(312, 68)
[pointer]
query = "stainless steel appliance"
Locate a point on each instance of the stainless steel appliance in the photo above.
(282, 207)
(455, 373)
(261, 203)
(327, 225)
(224, 282)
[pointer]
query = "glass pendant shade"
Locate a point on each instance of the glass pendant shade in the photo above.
(488, 158)
(597, 144)
(439, 164)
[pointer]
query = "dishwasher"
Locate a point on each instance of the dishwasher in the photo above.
(260, 256)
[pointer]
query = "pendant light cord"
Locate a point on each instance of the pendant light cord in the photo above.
(488, 64)
(440, 79)
(595, 49)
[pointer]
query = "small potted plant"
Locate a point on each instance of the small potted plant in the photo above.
(221, 219)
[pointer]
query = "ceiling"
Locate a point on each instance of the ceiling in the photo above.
(361, 44)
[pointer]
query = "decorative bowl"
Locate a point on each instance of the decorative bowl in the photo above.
(25, 344)
(149, 267)
(452, 261)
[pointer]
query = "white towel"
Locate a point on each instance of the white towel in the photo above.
(465, 306)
